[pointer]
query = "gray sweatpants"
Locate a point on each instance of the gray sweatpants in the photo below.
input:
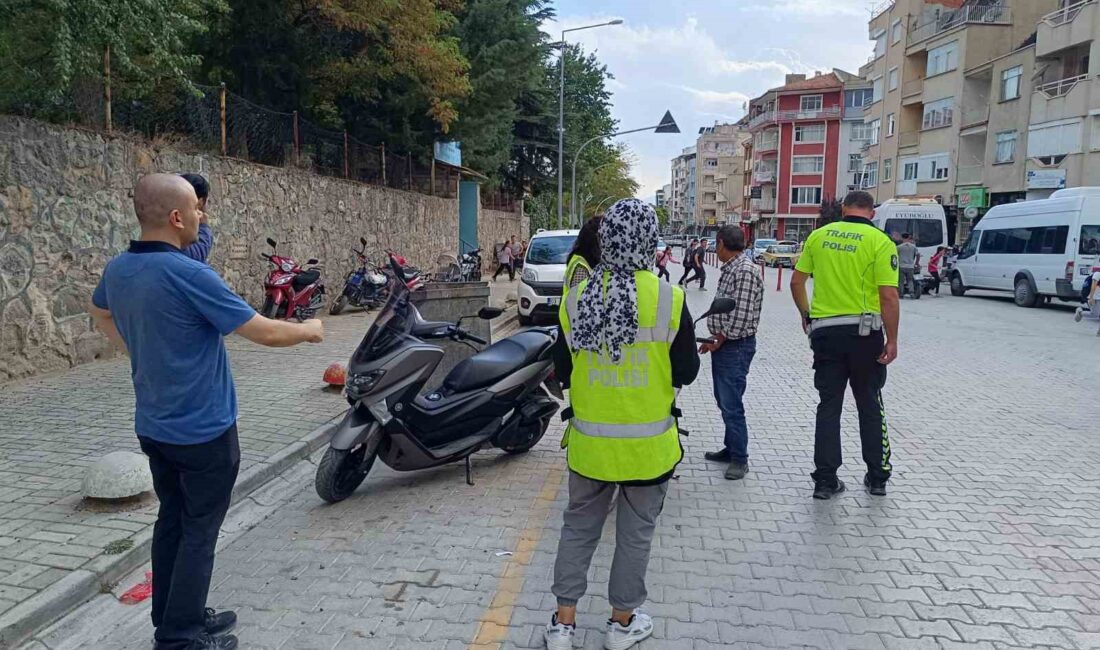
(908, 282)
(635, 521)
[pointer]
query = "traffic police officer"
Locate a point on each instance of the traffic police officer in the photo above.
(629, 343)
(855, 303)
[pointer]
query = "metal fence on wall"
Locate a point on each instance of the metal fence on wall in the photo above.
(217, 120)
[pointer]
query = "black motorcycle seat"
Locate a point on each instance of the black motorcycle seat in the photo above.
(497, 361)
(305, 278)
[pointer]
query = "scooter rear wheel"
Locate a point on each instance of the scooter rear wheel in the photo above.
(342, 471)
(338, 305)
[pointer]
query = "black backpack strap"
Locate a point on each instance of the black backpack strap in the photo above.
(567, 414)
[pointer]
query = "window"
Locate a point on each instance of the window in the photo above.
(939, 113)
(857, 98)
(891, 124)
(887, 170)
(939, 170)
(1090, 240)
(809, 133)
(810, 103)
(855, 162)
(971, 245)
(1038, 240)
(876, 89)
(892, 79)
(909, 171)
(1010, 83)
(926, 232)
(1006, 146)
(711, 162)
(876, 126)
(895, 32)
(862, 131)
(880, 42)
(805, 196)
(870, 175)
(943, 59)
(808, 165)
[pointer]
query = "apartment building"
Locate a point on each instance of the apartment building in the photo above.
(799, 134)
(933, 64)
(660, 199)
(682, 198)
(719, 168)
(1063, 140)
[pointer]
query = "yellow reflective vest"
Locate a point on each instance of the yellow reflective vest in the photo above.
(622, 427)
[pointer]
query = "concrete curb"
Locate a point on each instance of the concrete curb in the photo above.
(99, 574)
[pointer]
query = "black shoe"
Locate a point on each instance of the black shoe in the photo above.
(874, 486)
(218, 623)
(828, 489)
(203, 642)
(720, 456)
(736, 471)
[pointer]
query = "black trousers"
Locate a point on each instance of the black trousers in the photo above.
(662, 272)
(688, 270)
(194, 484)
(842, 357)
(506, 267)
(935, 281)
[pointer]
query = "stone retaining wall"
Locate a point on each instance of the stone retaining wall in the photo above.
(66, 208)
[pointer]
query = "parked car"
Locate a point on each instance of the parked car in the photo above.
(540, 287)
(761, 245)
(780, 255)
(1035, 249)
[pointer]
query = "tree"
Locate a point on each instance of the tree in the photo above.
(662, 217)
(829, 211)
(47, 47)
(506, 49)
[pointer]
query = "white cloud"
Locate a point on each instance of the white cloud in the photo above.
(815, 7)
(716, 98)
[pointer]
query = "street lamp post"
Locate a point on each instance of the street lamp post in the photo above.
(561, 107)
(666, 125)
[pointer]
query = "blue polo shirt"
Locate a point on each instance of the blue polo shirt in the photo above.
(172, 312)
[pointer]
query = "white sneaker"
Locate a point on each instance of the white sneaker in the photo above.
(559, 636)
(621, 638)
(1078, 315)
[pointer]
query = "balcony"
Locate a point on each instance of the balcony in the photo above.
(969, 174)
(828, 113)
(975, 117)
(854, 112)
(766, 144)
(908, 139)
(1067, 27)
(911, 91)
(1061, 87)
(761, 119)
(970, 14)
(763, 204)
(764, 174)
(882, 8)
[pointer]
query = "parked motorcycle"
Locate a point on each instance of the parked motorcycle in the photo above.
(289, 290)
(364, 287)
(470, 266)
(497, 397)
(410, 275)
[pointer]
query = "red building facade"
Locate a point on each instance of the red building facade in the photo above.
(797, 132)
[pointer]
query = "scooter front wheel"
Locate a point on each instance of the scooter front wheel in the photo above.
(341, 471)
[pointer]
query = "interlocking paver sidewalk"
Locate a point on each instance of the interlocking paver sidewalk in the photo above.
(989, 538)
(55, 425)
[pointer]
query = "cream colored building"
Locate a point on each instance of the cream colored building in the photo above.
(933, 59)
(1063, 145)
(719, 174)
(681, 201)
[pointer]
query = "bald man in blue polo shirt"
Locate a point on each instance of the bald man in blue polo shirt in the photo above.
(171, 313)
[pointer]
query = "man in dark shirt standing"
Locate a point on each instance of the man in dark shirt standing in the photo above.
(699, 255)
(171, 312)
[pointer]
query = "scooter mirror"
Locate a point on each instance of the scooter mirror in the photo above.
(311, 261)
(397, 270)
(489, 313)
(719, 306)
(271, 242)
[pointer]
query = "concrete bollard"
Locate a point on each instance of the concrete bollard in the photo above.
(779, 278)
(118, 475)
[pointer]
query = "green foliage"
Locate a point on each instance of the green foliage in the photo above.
(48, 48)
(662, 217)
(829, 211)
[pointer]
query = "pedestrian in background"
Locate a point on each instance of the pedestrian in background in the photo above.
(699, 263)
(908, 258)
(734, 346)
(504, 262)
(855, 271)
(934, 263)
(664, 256)
(624, 363)
(689, 262)
(584, 256)
(170, 313)
(521, 254)
(200, 250)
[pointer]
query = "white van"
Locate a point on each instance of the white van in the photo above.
(1035, 249)
(540, 287)
(924, 219)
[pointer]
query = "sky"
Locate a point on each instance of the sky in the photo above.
(703, 59)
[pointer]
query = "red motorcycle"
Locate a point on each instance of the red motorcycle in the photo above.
(414, 279)
(289, 290)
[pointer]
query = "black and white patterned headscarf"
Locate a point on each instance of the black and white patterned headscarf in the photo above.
(607, 314)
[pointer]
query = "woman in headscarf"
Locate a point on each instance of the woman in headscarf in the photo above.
(630, 345)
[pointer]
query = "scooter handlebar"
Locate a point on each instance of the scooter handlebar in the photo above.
(473, 337)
